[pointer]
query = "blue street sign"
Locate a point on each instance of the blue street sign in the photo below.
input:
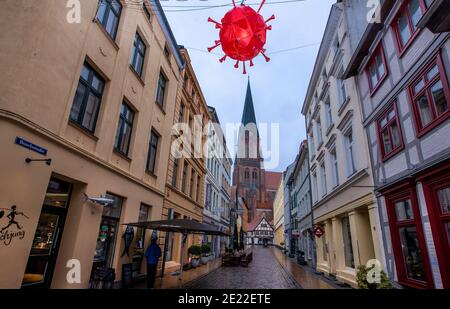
(26, 144)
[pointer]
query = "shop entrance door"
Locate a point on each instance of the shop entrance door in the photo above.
(44, 250)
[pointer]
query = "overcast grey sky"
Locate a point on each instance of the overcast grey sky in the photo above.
(278, 87)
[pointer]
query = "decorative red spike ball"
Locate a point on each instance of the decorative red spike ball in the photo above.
(242, 34)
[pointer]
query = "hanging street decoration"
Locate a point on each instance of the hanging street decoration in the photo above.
(242, 34)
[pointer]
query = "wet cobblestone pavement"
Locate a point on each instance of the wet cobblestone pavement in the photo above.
(264, 272)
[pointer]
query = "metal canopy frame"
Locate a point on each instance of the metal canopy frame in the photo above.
(182, 226)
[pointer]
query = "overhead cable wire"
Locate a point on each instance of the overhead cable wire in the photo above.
(269, 53)
(189, 8)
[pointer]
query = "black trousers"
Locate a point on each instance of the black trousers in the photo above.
(151, 275)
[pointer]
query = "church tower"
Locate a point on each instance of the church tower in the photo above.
(248, 173)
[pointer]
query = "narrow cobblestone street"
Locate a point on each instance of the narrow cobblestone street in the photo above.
(270, 269)
(264, 272)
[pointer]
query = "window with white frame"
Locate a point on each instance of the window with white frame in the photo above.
(342, 91)
(328, 116)
(350, 151)
(336, 44)
(319, 131)
(323, 179)
(312, 146)
(334, 166)
(314, 186)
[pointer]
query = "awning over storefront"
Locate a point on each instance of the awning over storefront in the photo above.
(183, 226)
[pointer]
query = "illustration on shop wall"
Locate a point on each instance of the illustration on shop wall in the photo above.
(242, 34)
(6, 235)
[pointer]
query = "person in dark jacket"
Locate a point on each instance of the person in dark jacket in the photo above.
(153, 253)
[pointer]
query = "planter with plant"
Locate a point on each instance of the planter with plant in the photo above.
(195, 252)
(362, 275)
(205, 250)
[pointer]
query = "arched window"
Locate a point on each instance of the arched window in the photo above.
(255, 178)
(246, 175)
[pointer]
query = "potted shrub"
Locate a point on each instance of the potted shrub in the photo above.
(195, 252)
(205, 250)
(361, 279)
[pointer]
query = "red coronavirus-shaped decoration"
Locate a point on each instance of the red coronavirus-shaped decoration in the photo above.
(242, 34)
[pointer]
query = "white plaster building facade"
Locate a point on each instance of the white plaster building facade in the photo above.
(341, 183)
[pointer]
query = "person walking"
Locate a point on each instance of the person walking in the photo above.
(153, 253)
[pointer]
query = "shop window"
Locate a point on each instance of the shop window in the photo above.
(389, 133)
(106, 241)
(407, 238)
(152, 152)
(138, 55)
(124, 129)
(347, 239)
(161, 90)
(324, 246)
(139, 245)
(108, 15)
(430, 96)
(47, 237)
(405, 24)
(377, 69)
(436, 188)
(86, 103)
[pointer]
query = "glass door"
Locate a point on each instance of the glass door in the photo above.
(44, 249)
(107, 235)
(408, 240)
(436, 187)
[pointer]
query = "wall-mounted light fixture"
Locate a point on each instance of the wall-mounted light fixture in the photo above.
(47, 161)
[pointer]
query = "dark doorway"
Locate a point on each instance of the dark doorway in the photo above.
(44, 250)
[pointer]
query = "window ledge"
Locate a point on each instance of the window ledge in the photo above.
(83, 129)
(121, 154)
(139, 78)
(392, 154)
(152, 174)
(319, 146)
(403, 49)
(432, 125)
(160, 107)
(108, 36)
(378, 85)
(330, 127)
(343, 105)
(348, 182)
